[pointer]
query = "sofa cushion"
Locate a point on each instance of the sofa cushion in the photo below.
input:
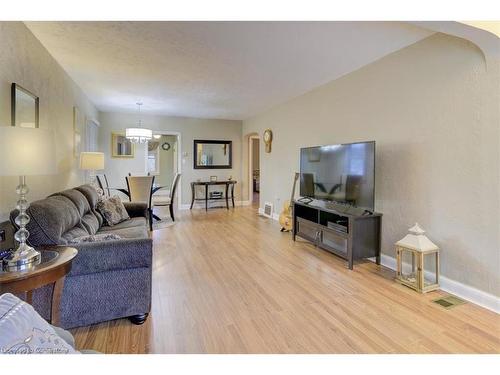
(73, 233)
(91, 222)
(90, 193)
(132, 222)
(78, 199)
(88, 216)
(52, 221)
(92, 197)
(113, 210)
(130, 232)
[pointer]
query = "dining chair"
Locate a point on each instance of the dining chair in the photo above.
(168, 200)
(141, 190)
(102, 181)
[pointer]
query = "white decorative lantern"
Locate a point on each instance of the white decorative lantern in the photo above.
(418, 248)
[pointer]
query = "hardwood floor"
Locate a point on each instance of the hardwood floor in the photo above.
(230, 282)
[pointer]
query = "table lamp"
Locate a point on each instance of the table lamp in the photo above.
(91, 161)
(25, 152)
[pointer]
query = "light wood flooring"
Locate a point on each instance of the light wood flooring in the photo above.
(230, 282)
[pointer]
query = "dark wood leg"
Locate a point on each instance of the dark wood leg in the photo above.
(377, 259)
(171, 209)
(156, 217)
(29, 297)
(57, 291)
(232, 194)
(138, 319)
(192, 196)
(206, 197)
(227, 196)
(150, 219)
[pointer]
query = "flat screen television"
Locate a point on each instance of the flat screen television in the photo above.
(343, 173)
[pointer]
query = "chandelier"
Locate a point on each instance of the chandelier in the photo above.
(138, 134)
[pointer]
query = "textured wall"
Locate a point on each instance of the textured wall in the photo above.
(190, 129)
(25, 61)
(433, 109)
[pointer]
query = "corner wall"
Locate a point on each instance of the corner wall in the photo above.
(25, 61)
(433, 109)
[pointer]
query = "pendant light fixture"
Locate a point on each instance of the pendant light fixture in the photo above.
(139, 134)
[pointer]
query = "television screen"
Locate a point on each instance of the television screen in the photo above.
(341, 173)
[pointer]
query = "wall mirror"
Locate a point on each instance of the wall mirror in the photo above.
(121, 147)
(213, 154)
(24, 107)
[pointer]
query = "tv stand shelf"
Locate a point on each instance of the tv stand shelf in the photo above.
(349, 232)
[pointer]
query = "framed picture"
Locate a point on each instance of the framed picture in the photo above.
(24, 107)
(121, 147)
(213, 178)
(78, 124)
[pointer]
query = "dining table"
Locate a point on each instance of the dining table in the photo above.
(127, 193)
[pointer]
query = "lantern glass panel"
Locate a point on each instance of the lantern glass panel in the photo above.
(430, 267)
(408, 266)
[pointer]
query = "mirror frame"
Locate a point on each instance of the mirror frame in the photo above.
(195, 153)
(114, 136)
(13, 95)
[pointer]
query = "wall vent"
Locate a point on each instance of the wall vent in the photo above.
(268, 210)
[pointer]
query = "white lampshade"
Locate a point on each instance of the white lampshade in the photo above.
(91, 161)
(138, 134)
(416, 240)
(26, 151)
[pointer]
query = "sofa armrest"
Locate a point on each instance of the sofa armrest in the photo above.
(94, 257)
(136, 209)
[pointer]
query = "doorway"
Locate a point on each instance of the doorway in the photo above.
(254, 170)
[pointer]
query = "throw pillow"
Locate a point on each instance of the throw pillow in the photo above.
(113, 210)
(96, 238)
(24, 331)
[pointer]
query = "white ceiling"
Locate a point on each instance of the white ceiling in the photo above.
(227, 70)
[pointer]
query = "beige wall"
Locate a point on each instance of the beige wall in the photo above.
(433, 109)
(189, 129)
(25, 61)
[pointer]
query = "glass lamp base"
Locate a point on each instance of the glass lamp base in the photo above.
(23, 258)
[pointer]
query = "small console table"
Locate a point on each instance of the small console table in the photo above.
(229, 191)
(349, 232)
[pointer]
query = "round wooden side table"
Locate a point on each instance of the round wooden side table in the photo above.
(55, 264)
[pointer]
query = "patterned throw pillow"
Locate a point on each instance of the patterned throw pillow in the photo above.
(113, 210)
(96, 238)
(23, 331)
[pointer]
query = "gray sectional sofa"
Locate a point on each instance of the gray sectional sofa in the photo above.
(109, 279)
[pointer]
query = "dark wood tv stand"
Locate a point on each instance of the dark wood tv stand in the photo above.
(349, 232)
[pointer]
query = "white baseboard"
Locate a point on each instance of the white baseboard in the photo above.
(201, 205)
(469, 293)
